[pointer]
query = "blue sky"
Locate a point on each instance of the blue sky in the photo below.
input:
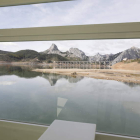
(71, 13)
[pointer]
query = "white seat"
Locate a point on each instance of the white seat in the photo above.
(65, 130)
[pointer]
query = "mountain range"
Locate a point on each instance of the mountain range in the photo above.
(73, 54)
(131, 53)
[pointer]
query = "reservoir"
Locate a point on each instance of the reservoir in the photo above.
(39, 98)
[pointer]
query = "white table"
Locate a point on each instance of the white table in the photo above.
(64, 130)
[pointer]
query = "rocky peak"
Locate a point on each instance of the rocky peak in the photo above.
(98, 54)
(132, 53)
(53, 48)
(97, 57)
(75, 50)
(78, 53)
(133, 47)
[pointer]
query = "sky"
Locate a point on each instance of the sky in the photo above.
(75, 12)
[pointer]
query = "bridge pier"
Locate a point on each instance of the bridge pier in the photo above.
(82, 65)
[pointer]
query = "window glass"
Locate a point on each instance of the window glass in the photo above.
(94, 81)
(70, 13)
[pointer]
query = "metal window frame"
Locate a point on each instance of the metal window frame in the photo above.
(76, 32)
(5, 3)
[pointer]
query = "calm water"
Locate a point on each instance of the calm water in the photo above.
(41, 98)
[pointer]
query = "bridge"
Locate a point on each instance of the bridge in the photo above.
(82, 65)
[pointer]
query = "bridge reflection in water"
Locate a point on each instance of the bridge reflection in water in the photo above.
(82, 64)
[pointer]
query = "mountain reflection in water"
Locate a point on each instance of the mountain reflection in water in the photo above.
(26, 72)
(41, 98)
(130, 84)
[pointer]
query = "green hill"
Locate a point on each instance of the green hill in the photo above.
(18, 56)
(29, 55)
(23, 54)
(51, 57)
(26, 54)
(4, 52)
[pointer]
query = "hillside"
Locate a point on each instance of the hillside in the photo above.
(107, 57)
(18, 56)
(51, 57)
(4, 52)
(30, 55)
(128, 65)
(23, 54)
(114, 56)
(132, 53)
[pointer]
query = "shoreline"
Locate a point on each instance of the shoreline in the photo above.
(122, 75)
(25, 64)
(129, 76)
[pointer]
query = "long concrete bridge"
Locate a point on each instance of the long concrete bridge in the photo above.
(82, 65)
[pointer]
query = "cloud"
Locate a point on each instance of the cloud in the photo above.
(112, 46)
(90, 47)
(71, 13)
(79, 12)
(115, 11)
(7, 83)
(9, 46)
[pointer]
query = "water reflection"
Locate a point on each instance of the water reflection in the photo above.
(130, 84)
(42, 98)
(18, 71)
(53, 78)
(27, 73)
